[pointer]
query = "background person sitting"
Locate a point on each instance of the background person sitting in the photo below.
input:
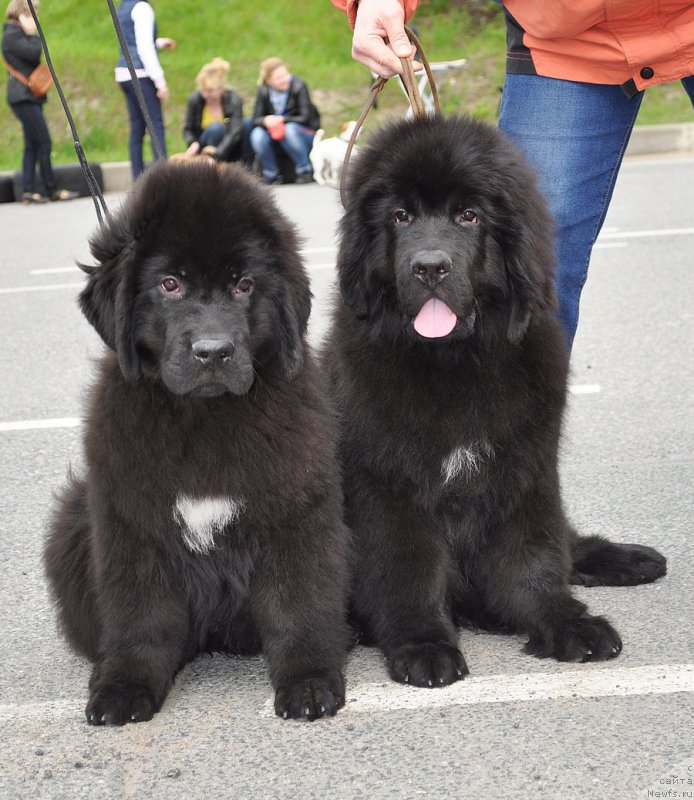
(214, 117)
(283, 117)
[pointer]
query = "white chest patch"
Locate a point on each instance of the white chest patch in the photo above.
(200, 519)
(465, 461)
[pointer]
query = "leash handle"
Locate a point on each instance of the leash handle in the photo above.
(410, 83)
(409, 79)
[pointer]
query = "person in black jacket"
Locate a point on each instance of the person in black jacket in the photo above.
(214, 117)
(21, 49)
(284, 116)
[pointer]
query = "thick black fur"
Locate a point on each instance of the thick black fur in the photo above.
(208, 391)
(446, 209)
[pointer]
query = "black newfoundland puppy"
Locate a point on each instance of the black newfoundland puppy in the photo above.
(210, 516)
(449, 371)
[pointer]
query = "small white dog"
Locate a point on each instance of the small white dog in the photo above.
(327, 155)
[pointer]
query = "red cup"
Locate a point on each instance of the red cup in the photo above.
(277, 131)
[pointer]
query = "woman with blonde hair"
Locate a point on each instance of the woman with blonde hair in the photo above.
(214, 116)
(21, 50)
(284, 117)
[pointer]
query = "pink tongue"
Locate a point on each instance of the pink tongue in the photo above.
(435, 319)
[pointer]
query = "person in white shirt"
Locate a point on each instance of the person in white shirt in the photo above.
(139, 26)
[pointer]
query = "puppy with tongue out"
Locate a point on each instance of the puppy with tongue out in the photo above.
(447, 368)
(435, 285)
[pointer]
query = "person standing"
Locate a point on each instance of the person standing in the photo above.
(283, 115)
(21, 49)
(576, 73)
(214, 115)
(139, 27)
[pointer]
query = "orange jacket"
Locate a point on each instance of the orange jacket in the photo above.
(635, 43)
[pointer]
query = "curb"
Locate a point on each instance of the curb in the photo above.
(653, 140)
(117, 176)
(661, 139)
(645, 140)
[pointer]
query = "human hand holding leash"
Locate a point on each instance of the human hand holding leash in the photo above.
(380, 40)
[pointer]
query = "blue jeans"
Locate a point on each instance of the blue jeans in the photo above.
(138, 125)
(37, 146)
(297, 144)
(212, 135)
(575, 135)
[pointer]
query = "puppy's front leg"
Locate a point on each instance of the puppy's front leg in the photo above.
(526, 572)
(299, 604)
(143, 632)
(402, 582)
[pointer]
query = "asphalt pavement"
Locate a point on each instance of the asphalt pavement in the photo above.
(518, 727)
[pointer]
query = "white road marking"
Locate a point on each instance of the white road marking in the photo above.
(47, 288)
(524, 688)
(643, 234)
(609, 245)
(308, 250)
(73, 422)
(53, 270)
(331, 265)
(585, 388)
(38, 424)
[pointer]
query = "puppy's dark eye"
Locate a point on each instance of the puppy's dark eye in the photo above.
(401, 216)
(468, 216)
(170, 285)
(244, 286)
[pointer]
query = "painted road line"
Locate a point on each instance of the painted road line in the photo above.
(53, 270)
(525, 688)
(610, 245)
(40, 424)
(48, 288)
(309, 250)
(585, 388)
(645, 234)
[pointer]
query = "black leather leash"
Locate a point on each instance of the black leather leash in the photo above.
(92, 183)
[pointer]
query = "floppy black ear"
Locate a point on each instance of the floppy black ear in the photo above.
(523, 298)
(107, 302)
(294, 308)
(358, 284)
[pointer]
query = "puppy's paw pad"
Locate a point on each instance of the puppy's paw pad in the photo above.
(310, 698)
(118, 704)
(427, 664)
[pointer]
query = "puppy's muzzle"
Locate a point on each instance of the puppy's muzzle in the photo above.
(430, 266)
(213, 352)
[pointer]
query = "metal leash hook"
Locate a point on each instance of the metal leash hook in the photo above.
(410, 83)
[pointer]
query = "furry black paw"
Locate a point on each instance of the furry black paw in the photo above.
(310, 698)
(581, 639)
(428, 664)
(119, 703)
(611, 564)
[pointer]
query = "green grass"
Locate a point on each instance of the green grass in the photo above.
(313, 38)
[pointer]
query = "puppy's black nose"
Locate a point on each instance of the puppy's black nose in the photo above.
(431, 266)
(213, 351)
